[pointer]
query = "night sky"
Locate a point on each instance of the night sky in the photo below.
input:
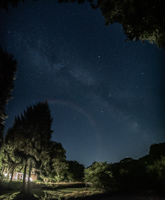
(106, 95)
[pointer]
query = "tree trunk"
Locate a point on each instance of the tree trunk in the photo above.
(24, 178)
(12, 172)
(3, 169)
(30, 169)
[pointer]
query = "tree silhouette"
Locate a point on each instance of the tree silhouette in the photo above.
(8, 68)
(10, 159)
(58, 161)
(141, 20)
(5, 3)
(75, 171)
(156, 172)
(146, 173)
(54, 165)
(31, 134)
(157, 151)
(100, 175)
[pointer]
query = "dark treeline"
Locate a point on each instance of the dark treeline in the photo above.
(141, 20)
(144, 174)
(28, 146)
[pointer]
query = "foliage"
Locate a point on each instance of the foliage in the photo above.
(1, 157)
(54, 164)
(8, 68)
(157, 151)
(156, 172)
(28, 137)
(10, 160)
(130, 174)
(146, 173)
(58, 161)
(100, 175)
(141, 20)
(75, 171)
(79, 1)
(5, 3)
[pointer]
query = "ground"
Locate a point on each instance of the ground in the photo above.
(70, 192)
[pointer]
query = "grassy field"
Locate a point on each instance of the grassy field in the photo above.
(63, 191)
(70, 191)
(47, 191)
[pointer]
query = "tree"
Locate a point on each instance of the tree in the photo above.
(156, 172)
(156, 165)
(8, 68)
(31, 134)
(79, 1)
(75, 171)
(157, 151)
(58, 161)
(132, 174)
(1, 166)
(100, 175)
(141, 20)
(10, 160)
(54, 163)
(5, 3)
(146, 173)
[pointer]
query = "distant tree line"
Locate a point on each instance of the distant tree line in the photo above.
(28, 146)
(141, 20)
(144, 174)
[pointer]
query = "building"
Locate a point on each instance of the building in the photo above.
(18, 176)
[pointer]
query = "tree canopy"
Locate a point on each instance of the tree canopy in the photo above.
(75, 171)
(54, 165)
(8, 68)
(146, 173)
(29, 137)
(99, 173)
(141, 20)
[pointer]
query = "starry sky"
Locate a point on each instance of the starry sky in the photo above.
(106, 95)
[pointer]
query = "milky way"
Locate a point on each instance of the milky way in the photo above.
(106, 95)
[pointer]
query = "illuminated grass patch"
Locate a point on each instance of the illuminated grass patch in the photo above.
(64, 192)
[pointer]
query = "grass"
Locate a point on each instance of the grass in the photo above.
(66, 192)
(47, 191)
(11, 191)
